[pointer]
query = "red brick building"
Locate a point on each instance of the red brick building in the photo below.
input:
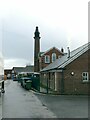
(46, 58)
(69, 74)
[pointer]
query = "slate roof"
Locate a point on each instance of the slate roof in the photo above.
(24, 69)
(64, 60)
(29, 69)
(18, 69)
(40, 54)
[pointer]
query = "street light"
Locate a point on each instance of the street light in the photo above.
(72, 73)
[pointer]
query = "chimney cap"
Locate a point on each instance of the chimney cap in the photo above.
(36, 28)
(67, 47)
(68, 54)
(36, 32)
(62, 50)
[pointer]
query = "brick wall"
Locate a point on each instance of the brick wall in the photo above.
(74, 84)
(42, 58)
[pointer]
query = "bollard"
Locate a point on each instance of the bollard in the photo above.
(3, 91)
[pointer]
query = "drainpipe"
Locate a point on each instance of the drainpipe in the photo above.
(62, 82)
(47, 85)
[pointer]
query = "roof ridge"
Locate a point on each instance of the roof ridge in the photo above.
(80, 50)
(76, 53)
(51, 49)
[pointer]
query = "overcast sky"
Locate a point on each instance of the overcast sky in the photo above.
(61, 23)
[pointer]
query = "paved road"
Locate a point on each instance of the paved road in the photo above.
(66, 106)
(20, 103)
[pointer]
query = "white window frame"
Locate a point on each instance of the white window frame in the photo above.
(85, 77)
(53, 55)
(47, 60)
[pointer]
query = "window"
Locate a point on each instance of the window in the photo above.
(53, 57)
(47, 59)
(85, 76)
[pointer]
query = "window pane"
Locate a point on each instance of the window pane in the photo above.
(53, 57)
(47, 59)
(85, 76)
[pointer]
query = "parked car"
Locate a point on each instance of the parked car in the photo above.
(33, 77)
(24, 80)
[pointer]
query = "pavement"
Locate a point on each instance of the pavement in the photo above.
(20, 103)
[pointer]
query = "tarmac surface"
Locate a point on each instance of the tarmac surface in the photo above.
(66, 106)
(20, 103)
(0, 107)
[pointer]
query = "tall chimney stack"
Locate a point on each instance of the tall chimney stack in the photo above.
(36, 49)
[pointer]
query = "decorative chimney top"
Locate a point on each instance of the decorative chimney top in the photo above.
(36, 32)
